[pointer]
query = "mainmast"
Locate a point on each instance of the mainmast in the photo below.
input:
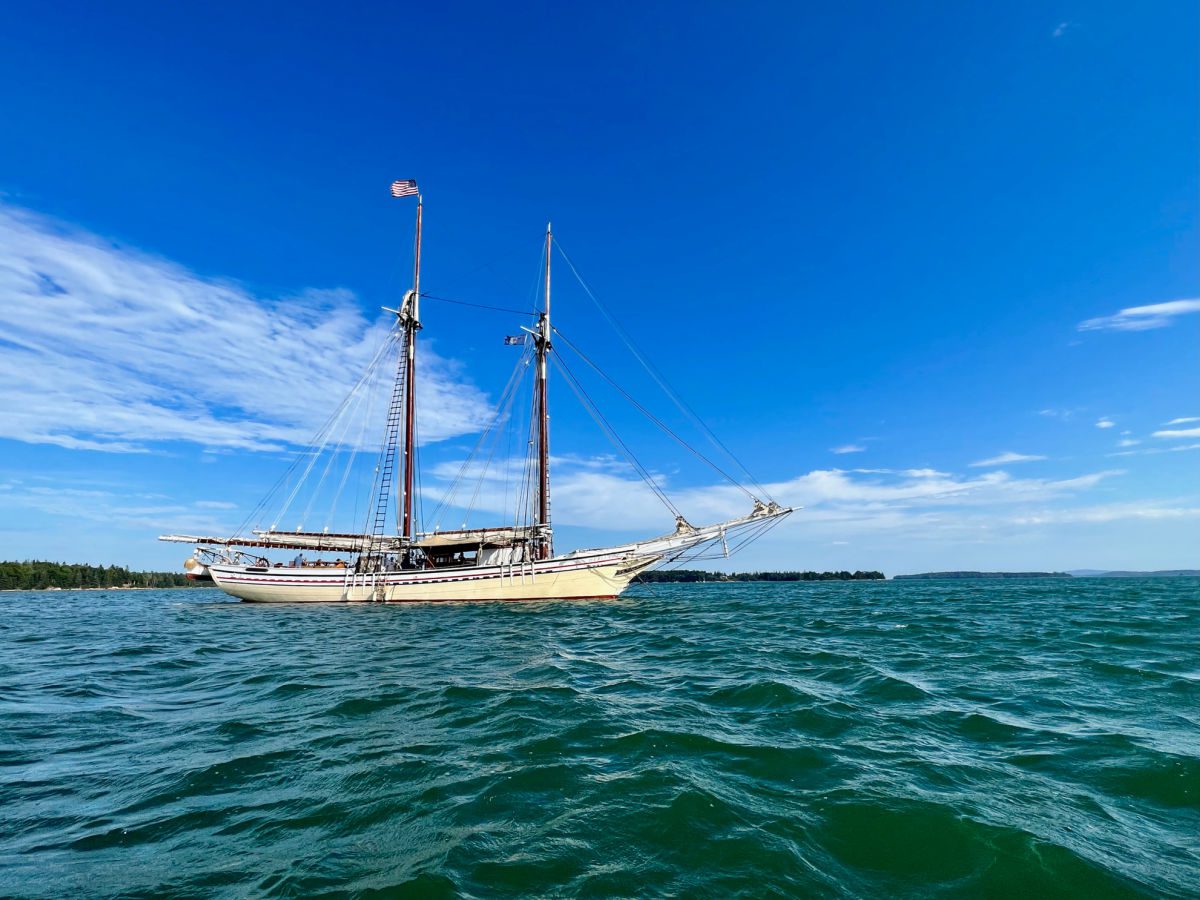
(411, 319)
(546, 548)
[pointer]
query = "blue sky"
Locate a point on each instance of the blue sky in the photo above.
(956, 242)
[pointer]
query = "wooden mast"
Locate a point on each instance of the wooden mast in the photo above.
(543, 347)
(412, 324)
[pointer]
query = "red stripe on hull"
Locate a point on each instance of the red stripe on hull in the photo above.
(452, 600)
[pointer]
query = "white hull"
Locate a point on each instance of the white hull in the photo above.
(601, 576)
(582, 574)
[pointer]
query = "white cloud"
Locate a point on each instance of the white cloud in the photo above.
(1185, 420)
(1105, 422)
(834, 485)
(1066, 415)
(1128, 442)
(112, 509)
(1061, 28)
(605, 499)
(889, 517)
(1108, 513)
(110, 349)
(1006, 458)
(1142, 318)
(1154, 451)
(1178, 433)
(848, 448)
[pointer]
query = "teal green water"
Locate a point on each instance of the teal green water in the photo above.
(1001, 739)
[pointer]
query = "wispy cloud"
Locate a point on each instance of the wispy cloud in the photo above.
(848, 448)
(902, 509)
(1142, 318)
(1105, 422)
(595, 497)
(1154, 451)
(110, 349)
(1062, 28)
(1065, 414)
(1178, 433)
(1006, 458)
(1128, 442)
(1110, 512)
(1184, 421)
(115, 509)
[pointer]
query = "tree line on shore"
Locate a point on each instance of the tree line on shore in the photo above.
(37, 575)
(694, 575)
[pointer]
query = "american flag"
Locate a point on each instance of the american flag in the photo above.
(517, 340)
(404, 188)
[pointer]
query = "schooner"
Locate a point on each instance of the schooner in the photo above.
(514, 561)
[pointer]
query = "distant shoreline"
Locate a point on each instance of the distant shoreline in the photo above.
(44, 577)
(1077, 573)
(56, 590)
(931, 576)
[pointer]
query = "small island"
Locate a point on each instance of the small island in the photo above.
(939, 575)
(40, 575)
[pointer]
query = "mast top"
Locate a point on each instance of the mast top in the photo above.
(546, 312)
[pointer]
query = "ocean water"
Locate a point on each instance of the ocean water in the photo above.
(998, 738)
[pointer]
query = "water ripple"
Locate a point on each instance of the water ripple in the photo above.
(1018, 738)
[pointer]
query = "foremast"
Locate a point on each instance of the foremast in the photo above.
(400, 431)
(410, 321)
(542, 345)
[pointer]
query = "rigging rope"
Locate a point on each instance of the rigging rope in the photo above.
(386, 448)
(653, 418)
(261, 506)
(333, 455)
(418, 489)
(503, 415)
(362, 430)
(657, 376)
(505, 309)
(612, 435)
(502, 408)
(525, 498)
